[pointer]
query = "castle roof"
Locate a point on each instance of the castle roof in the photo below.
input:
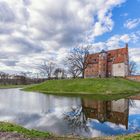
(116, 56)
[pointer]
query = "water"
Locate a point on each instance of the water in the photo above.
(65, 115)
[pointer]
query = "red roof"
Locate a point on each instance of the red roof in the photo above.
(116, 56)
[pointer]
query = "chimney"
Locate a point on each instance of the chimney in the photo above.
(127, 45)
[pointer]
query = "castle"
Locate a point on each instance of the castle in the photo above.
(108, 63)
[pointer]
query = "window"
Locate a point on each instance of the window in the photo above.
(94, 60)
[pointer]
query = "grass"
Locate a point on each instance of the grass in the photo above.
(120, 137)
(8, 127)
(99, 87)
(129, 137)
(12, 86)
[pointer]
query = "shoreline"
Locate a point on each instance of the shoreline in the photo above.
(13, 131)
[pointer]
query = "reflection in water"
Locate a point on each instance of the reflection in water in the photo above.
(76, 119)
(103, 111)
(62, 115)
(107, 111)
(34, 110)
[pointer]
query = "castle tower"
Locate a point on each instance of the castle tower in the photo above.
(103, 64)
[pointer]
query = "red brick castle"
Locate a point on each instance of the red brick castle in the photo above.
(108, 63)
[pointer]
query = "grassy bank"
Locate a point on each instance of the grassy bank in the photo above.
(12, 86)
(8, 127)
(89, 87)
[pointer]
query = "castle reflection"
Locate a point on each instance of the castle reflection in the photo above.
(107, 111)
(116, 112)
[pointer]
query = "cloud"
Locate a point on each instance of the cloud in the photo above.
(118, 41)
(31, 31)
(135, 54)
(132, 23)
(6, 14)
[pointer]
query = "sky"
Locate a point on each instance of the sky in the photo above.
(32, 31)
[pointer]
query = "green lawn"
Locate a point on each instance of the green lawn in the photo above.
(9, 127)
(11, 86)
(89, 87)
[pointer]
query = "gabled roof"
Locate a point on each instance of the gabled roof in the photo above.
(116, 56)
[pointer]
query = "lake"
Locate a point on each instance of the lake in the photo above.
(70, 115)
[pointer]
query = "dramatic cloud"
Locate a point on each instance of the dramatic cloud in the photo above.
(132, 23)
(118, 41)
(31, 31)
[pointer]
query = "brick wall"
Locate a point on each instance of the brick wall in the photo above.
(100, 64)
(134, 77)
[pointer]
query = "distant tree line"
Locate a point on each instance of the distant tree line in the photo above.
(74, 65)
(19, 79)
(51, 71)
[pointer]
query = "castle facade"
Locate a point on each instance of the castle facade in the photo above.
(108, 63)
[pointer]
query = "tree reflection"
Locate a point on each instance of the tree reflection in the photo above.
(76, 119)
(132, 103)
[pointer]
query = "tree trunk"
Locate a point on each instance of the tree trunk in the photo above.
(83, 73)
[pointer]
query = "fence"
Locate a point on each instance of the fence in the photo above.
(134, 77)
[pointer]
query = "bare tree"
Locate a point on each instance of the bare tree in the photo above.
(77, 60)
(47, 68)
(64, 74)
(59, 73)
(132, 67)
(1, 75)
(4, 78)
(24, 74)
(73, 71)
